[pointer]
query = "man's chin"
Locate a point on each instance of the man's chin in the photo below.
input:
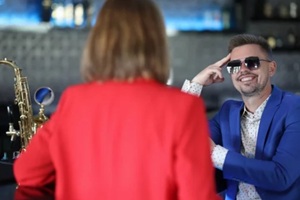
(248, 91)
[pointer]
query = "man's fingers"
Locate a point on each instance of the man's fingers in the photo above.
(221, 63)
(219, 80)
(217, 73)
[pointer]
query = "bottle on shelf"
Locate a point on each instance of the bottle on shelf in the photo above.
(293, 10)
(69, 13)
(46, 10)
(81, 13)
(291, 39)
(226, 15)
(268, 10)
(283, 11)
(58, 13)
(271, 41)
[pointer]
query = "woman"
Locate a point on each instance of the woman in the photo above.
(123, 134)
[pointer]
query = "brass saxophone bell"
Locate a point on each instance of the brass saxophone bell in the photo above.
(43, 96)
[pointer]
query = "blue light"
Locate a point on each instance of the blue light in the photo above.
(181, 16)
(19, 13)
(193, 24)
(12, 20)
(193, 16)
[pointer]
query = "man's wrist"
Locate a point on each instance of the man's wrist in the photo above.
(192, 87)
(218, 156)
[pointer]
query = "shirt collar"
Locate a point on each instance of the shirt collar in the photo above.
(258, 112)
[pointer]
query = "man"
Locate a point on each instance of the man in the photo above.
(255, 142)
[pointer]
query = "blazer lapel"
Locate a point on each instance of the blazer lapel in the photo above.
(266, 120)
(235, 123)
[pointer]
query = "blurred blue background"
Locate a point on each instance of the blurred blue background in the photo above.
(193, 15)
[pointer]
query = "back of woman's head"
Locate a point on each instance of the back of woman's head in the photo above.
(128, 41)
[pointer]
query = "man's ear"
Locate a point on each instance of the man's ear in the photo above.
(272, 68)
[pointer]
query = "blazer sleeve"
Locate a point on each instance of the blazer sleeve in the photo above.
(34, 167)
(193, 166)
(281, 170)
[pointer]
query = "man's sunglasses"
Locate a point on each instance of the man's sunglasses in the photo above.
(251, 63)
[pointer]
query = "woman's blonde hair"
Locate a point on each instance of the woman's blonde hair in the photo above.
(128, 41)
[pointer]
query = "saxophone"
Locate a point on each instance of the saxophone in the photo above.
(27, 124)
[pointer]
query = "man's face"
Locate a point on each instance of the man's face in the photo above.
(252, 82)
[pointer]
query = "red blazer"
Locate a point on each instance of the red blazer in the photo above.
(117, 140)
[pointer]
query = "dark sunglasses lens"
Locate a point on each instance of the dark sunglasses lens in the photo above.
(233, 66)
(252, 62)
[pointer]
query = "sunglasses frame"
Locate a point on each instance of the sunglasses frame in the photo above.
(252, 63)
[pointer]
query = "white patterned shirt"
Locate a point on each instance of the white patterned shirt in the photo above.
(249, 129)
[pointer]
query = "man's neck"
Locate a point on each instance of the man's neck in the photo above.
(253, 102)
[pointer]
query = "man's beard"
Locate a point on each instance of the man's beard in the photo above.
(253, 90)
